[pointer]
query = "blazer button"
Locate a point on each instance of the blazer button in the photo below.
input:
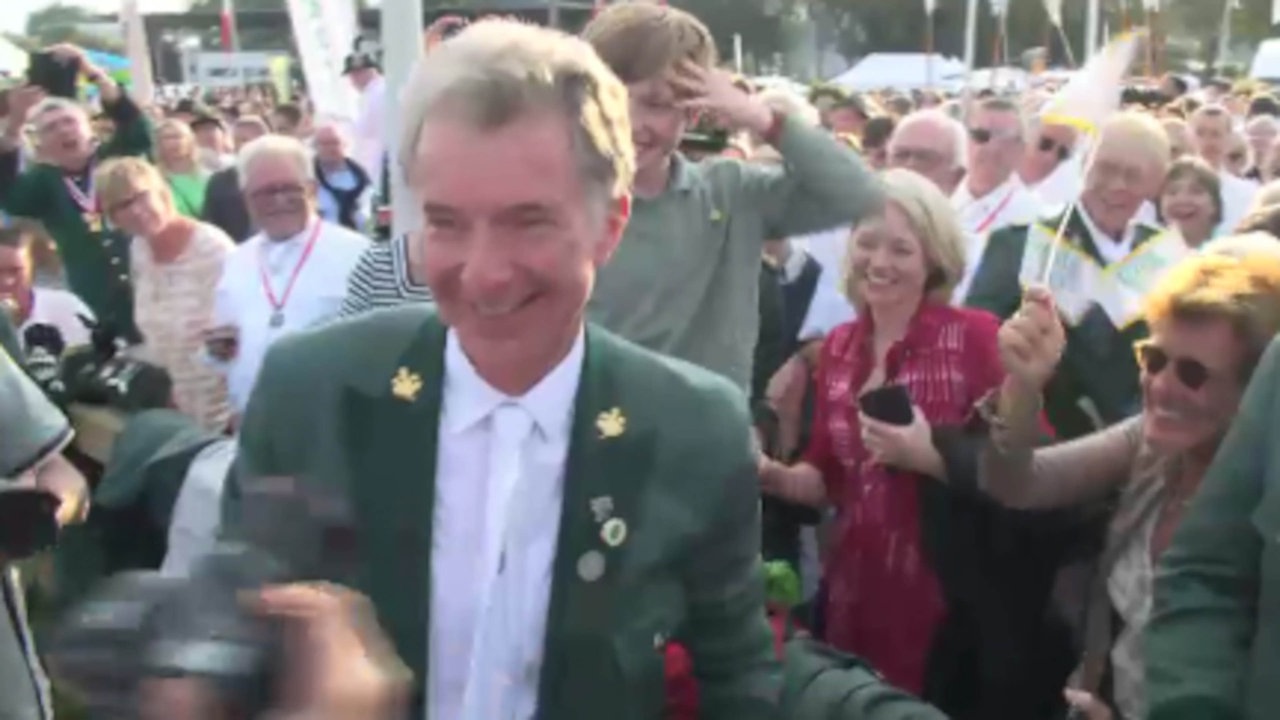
(115, 261)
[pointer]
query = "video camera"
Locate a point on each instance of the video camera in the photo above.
(146, 625)
(98, 374)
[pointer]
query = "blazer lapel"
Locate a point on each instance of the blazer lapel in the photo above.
(605, 476)
(391, 431)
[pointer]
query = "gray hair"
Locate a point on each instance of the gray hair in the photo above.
(497, 71)
(275, 146)
(50, 104)
(945, 124)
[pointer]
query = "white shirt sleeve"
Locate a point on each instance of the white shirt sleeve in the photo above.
(197, 513)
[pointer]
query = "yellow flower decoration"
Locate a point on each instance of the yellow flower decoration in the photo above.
(406, 385)
(611, 423)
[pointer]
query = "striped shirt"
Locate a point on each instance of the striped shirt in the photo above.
(381, 279)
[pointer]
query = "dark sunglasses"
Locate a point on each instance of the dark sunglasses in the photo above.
(1153, 360)
(1047, 145)
(982, 136)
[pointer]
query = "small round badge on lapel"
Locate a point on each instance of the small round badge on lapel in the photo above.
(614, 532)
(591, 566)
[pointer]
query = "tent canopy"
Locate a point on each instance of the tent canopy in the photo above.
(902, 71)
(13, 59)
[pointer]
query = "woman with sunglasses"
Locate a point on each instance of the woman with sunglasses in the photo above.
(1210, 319)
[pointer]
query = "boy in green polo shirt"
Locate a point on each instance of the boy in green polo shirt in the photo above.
(684, 280)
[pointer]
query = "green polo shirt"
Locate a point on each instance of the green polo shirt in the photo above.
(685, 279)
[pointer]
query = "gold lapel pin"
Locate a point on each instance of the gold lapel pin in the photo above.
(406, 385)
(614, 532)
(611, 423)
(716, 215)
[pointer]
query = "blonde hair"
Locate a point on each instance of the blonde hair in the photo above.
(1265, 197)
(1244, 243)
(643, 40)
(117, 179)
(496, 72)
(182, 129)
(933, 220)
(1243, 290)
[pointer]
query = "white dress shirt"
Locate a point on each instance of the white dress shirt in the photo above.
(1113, 249)
(61, 309)
(316, 297)
(829, 307)
(1008, 204)
(1237, 198)
(496, 526)
(193, 529)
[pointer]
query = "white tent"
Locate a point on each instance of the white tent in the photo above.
(13, 59)
(902, 71)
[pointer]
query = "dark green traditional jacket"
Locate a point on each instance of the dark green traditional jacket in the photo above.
(820, 683)
(1097, 380)
(356, 406)
(96, 260)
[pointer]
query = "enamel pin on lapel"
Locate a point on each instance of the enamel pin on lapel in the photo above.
(591, 566)
(611, 423)
(614, 532)
(406, 385)
(716, 215)
(602, 508)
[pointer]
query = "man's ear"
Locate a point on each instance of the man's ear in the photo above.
(615, 225)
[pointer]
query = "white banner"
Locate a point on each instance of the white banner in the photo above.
(142, 87)
(325, 31)
(231, 69)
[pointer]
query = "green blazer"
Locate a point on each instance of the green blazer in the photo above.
(1213, 642)
(680, 471)
(1079, 396)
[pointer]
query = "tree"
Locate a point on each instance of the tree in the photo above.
(60, 23)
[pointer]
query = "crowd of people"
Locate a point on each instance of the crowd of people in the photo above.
(992, 392)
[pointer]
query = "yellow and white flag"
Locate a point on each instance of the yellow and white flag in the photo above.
(1054, 9)
(1093, 93)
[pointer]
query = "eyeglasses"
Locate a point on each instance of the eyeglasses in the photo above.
(982, 136)
(283, 192)
(1193, 374)
(1048, 145)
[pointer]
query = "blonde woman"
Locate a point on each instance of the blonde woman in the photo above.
(175, 263)
(883, 597)
(178, 158)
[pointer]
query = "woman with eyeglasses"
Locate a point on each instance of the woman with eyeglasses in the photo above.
(175, 264)
(1211, 318)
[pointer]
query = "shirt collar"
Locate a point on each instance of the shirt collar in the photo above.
(795, 263)
(963, 197)
(469, 399)
(1130, 229)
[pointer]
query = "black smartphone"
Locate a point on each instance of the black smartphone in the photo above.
(889, 404)
(56, 77)
(28, 521)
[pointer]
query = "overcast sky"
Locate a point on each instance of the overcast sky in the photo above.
(14, 16)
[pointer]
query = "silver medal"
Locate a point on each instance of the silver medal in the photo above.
(591, 566)
(277, 319)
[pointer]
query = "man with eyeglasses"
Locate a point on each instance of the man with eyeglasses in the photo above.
(290, 276)
(1097, 279)
(992, 197)
(931, 143)
(1049, 167)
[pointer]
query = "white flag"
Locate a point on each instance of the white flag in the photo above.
(1275, 12)
(1054, 8)
(142, 86)
(999, 7)
(929, 7)
(1151, 5)
(1093, 93)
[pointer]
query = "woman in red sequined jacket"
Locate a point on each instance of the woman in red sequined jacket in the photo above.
(884, 599)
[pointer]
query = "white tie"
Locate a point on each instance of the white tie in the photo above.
(495, 675)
